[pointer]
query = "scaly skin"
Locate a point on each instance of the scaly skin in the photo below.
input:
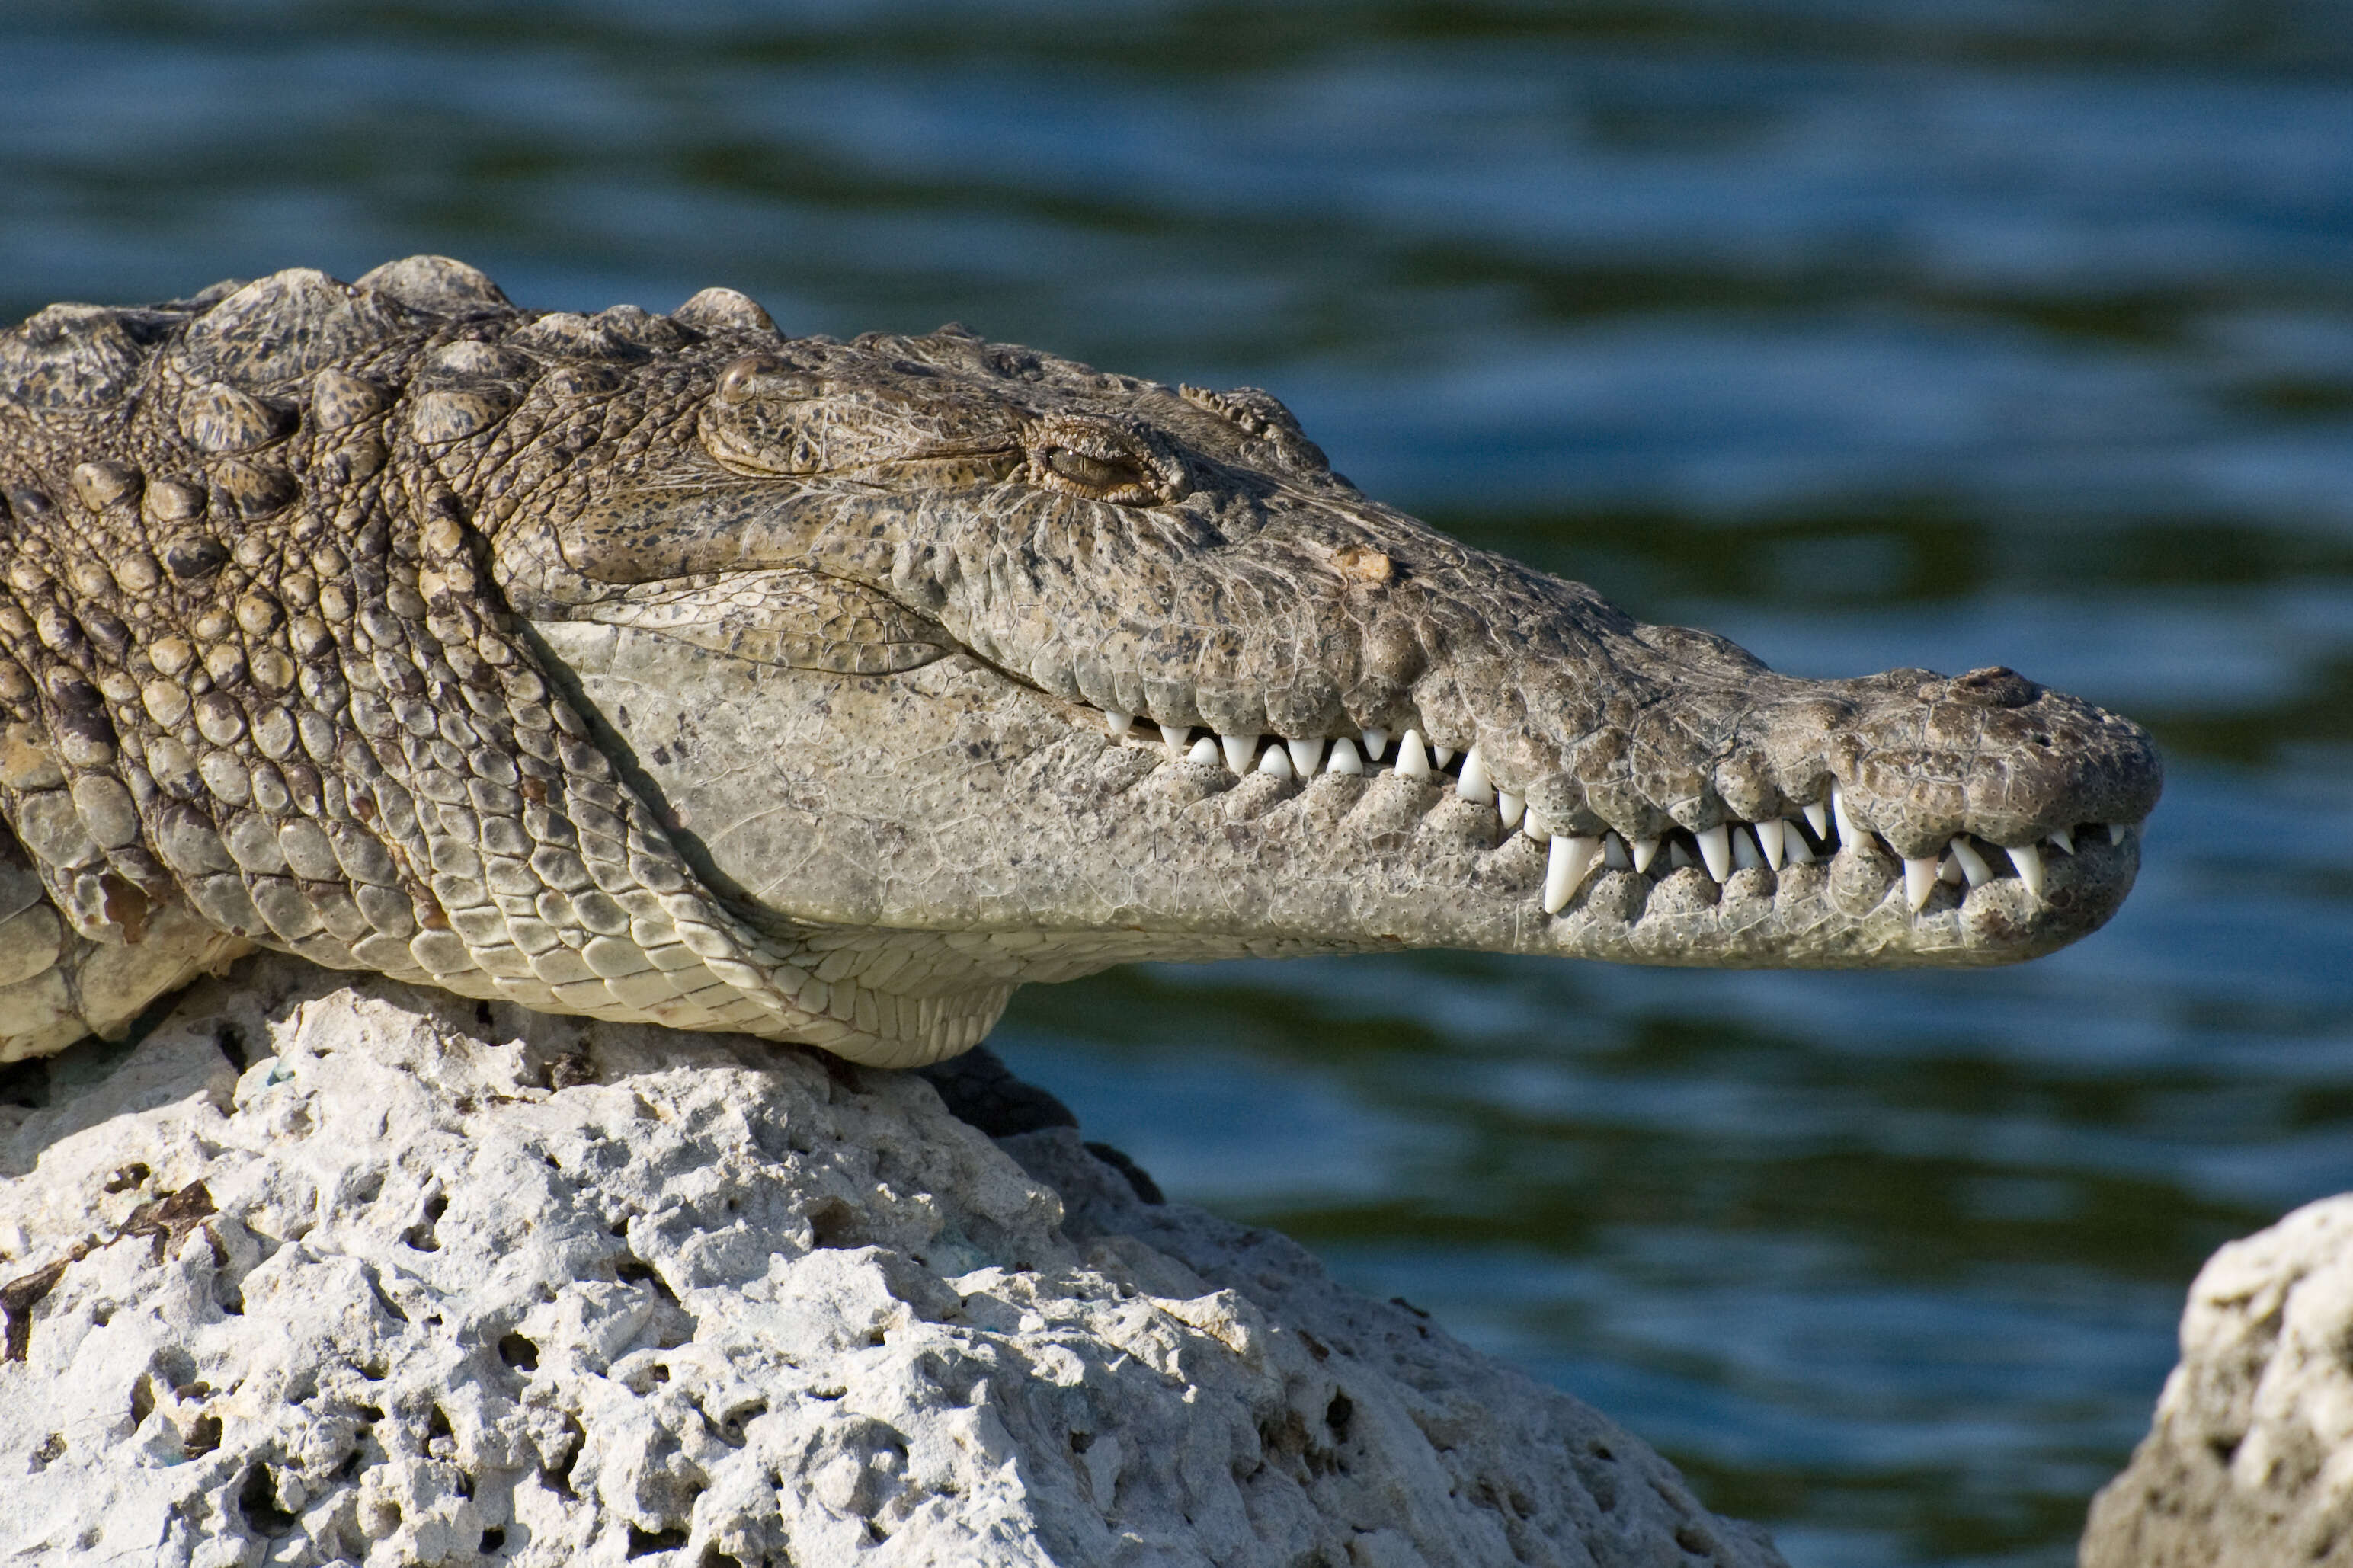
(667, 669)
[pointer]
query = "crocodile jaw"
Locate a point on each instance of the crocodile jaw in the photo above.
(951, 799)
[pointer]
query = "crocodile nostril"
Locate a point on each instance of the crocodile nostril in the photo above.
(1996, 685)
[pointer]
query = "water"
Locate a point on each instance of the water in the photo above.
(1869, 335)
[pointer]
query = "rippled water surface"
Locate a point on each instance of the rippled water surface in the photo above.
(1871, 334)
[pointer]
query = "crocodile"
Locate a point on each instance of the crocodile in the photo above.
(672, 668)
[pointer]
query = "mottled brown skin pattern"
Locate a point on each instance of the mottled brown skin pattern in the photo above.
(669, 669)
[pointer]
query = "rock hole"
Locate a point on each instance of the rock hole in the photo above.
(127, 1177)
(660, 1372)
(101, 1315)
(2225, 1450)
(1693, 1540)
(421, 1235)
(483, 1016)
(715, 1558)
(437, 1425)
(834, 1223)
(52, 1449)
(559, 1474)
(231, 1041)
(1339, 1415)
(257, 1500)
(644, 1541)
(203, 1436)
(353, 1463)
(518, 1352)
(142, 1399)
(1082, 1441)
(495, 1539)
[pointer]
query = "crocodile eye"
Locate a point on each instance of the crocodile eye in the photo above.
(1102, 475)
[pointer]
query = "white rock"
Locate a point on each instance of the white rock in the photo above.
(479, 1286)
(2250, 1460)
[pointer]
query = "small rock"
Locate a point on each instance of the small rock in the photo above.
(2250, 1460)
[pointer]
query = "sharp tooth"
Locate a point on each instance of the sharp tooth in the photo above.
(1613, 853)
(1744, 854)
(1818, 817)
(1566, 865)
(1716, 848)
(1344, 758)
(1474, 785)
(1772, 838)
(1413, 760)
(2064, 838)
(1442, 755)
(1276, 760)
(1173, 736)
(1238, 750)
(1949, 873)
(1850, 836)
(2116, 833)
(2028, 858)
(1919, 881)
(1509, 806)
(1117, 723)
(1801, 853)
(1646, 852)
(1376, 744)
(1204, 750)
(1306, 756)
(1973, 864)
(1537, 828)
(1678, 858)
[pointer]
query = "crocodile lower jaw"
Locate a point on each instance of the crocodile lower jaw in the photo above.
(1820, 834)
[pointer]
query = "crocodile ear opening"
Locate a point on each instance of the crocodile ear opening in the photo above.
(783, 619)
(654, 534)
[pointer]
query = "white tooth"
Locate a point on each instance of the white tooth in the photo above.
(1173, 736)
(1537, 828)
(1716, 848)
(1376, 744)
(1772, 838)
(1306, 756)
(1744, 854)
(1678, 858)
(2064, 838)
(1204, 750)
(1474, 785)
(1850, 836)
(1800, 852)
(1238, 750)
(1973, 864)
(1566, 865)
(1413, 761)
(2028, 858)
(2116, 833)
(1818, 817)
(1613, 853)
(1646, 852)
(1277, 760)
(1344, 758)
(1442, 755)
(1509, 806)
(1117, 723)
(1949, 873)
(1919, 881)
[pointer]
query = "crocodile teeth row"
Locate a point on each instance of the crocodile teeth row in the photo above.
(1570, 858)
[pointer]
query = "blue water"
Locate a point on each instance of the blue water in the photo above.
(1871, 334)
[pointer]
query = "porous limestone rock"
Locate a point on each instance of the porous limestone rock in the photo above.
(336, 1271)
(2249, 1463)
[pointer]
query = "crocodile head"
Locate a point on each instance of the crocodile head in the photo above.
(892, 674)
(967, 666)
